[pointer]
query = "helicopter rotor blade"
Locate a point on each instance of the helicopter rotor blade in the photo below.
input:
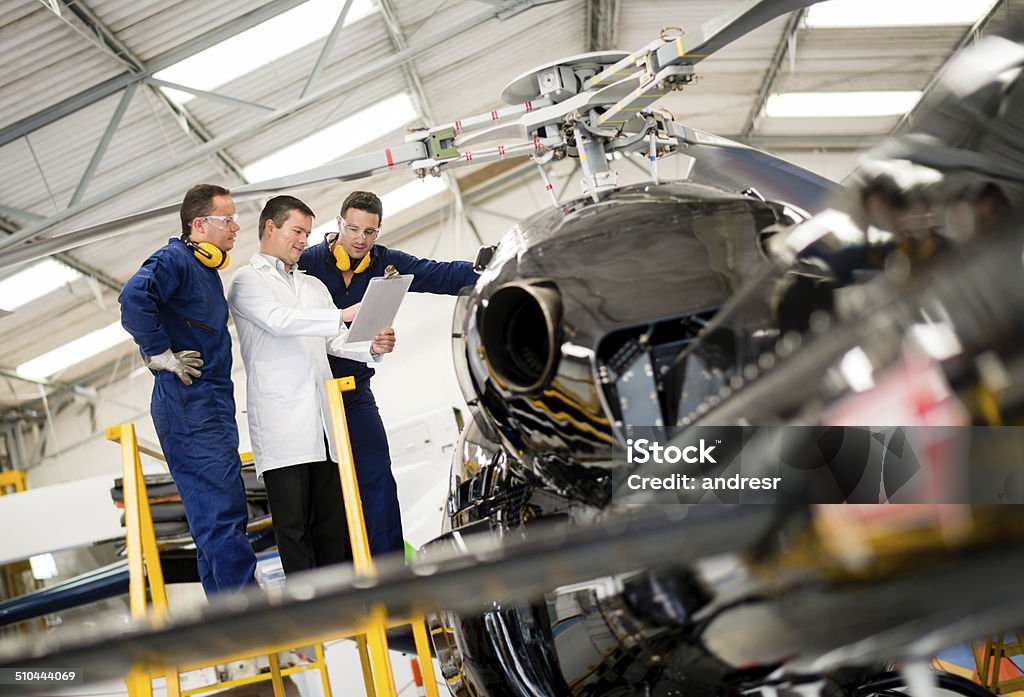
(738, 167)
(347, 169)
(671, 64)
(342, 170)
(720, 31)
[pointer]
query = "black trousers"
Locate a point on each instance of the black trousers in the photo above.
(309, 515)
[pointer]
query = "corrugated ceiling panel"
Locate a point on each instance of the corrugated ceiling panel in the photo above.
(466, 76)
(640, 22)
(32, 79)
(867, 59)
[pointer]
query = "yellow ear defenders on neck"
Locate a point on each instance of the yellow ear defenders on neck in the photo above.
(209, 254)
(344, 261)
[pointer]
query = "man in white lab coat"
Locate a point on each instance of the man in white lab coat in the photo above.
(287, 323)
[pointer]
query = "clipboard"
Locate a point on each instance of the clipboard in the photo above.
(379, 307)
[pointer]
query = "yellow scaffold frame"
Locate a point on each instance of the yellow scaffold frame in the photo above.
(373, 645)
(144, 564)
(988, 660)
(143, 557)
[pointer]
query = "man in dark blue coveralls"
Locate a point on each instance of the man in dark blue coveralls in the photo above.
(346, 263)
(175, 309)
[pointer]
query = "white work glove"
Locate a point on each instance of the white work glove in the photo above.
(184, 364)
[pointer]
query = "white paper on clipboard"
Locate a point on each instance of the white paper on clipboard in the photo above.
(379, 307)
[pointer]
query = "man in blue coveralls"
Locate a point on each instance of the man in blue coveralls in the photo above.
(174, 308)
(346, 263)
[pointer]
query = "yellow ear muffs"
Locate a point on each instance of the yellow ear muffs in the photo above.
(209, 254)
(344, 262)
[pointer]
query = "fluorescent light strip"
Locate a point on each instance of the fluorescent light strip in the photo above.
(840, 104)
(903, 13)
(35, 282)
(256, 47)
(335, 140)
(74, 352)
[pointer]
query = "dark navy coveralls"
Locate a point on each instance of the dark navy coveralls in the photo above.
(174, 302)
(369, 441)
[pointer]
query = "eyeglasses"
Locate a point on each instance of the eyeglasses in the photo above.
(224, 220)
(354, 230)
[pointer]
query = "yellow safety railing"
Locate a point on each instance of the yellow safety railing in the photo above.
(144, 562)
(373, 645)
(143, 556)
(12, 478)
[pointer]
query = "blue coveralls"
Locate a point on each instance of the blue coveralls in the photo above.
(369, 441)
(174, 302)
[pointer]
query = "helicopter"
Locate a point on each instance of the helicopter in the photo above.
(749, 301)
(751, 311)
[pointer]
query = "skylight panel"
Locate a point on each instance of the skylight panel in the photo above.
(408, 195)
(34, 282)
(256, 47)
(840, 104)
(73, 352)
(904, 13)
(317, 234)
(332, 142)
(394, 201)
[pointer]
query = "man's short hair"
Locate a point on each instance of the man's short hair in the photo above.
(198, 202)
(364, 201)
(278, 208)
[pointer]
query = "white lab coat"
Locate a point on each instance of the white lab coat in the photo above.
(286, 326)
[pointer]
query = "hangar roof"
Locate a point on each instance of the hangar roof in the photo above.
(88, 130)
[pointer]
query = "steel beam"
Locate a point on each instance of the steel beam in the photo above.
(20, 214)
(326, 50)
(104, 143)
(602, 23)
(115, 84)
(774, 68)
(212, 96)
